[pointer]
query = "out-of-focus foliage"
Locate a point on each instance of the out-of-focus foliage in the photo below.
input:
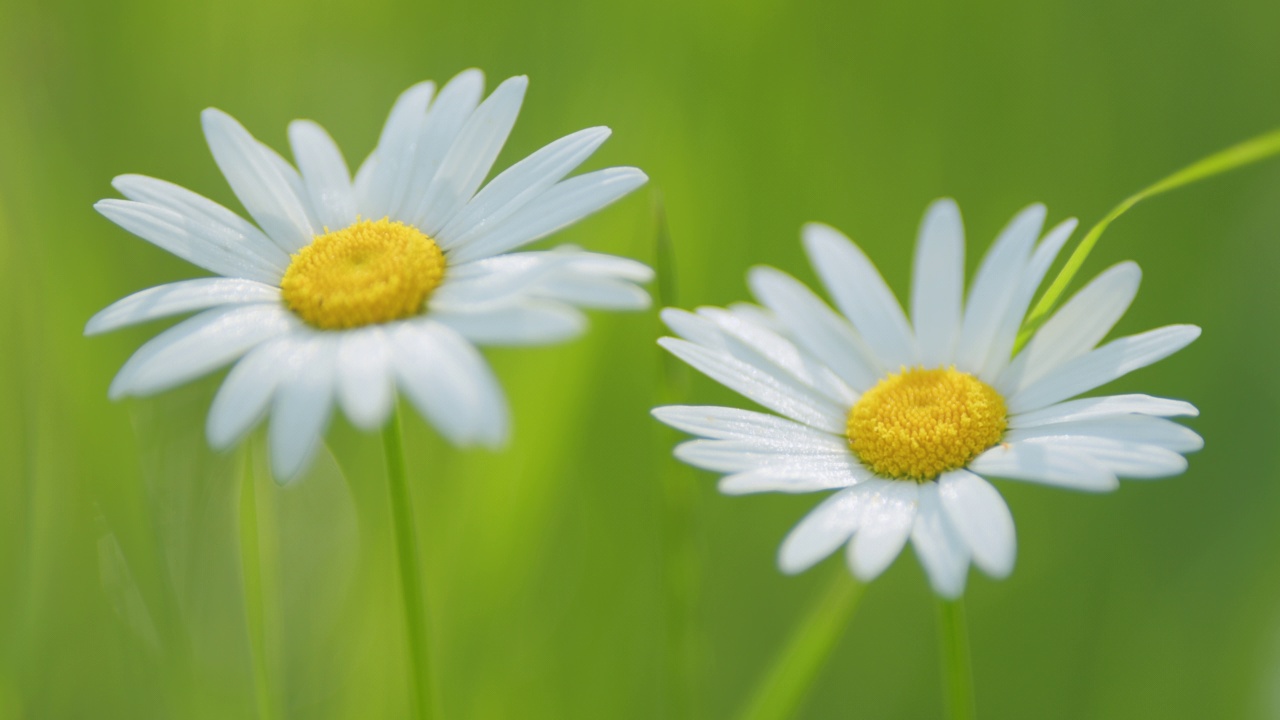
(551, 567)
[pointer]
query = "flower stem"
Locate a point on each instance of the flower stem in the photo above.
(682, 570)
(796, 668)
(415, 606)
(254, 604)
(957, 668)
(1250, 151)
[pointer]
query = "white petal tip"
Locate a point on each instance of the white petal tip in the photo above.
(118, 391)
(791, 566)
(106, 206)
(664, 413)
(944, 205)
(211, 116)
(670, 315)
(128, 180)
(286, 472)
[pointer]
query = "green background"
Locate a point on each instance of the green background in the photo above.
(582, 573)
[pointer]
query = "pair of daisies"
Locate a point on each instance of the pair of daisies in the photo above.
(349, 289)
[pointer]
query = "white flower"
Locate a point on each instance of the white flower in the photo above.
(346, 290)
(905, 418)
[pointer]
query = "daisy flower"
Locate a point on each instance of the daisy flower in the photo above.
(349, 289)
(904, 418)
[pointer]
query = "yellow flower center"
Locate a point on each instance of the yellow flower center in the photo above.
(371, 272)
(918, 424)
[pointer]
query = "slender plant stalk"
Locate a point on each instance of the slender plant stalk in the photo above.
(415, 604)
(957, 667)
(1246, 153)
(254, 605)
(680, 561)
(797, 667)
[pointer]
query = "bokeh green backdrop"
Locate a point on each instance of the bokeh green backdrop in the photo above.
(575, 574)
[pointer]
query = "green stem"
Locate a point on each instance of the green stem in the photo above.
(796, 668)
(682, 572)
(1248, 152)
(415, 605)
(254, 606)
(957, 668)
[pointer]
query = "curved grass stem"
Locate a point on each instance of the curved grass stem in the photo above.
(411, 586)
(797, 667)
(957, 667)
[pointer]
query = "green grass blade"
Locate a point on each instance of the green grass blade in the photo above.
(1237, 156)
(797, 667)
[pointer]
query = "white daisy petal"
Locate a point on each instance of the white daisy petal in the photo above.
(177, 298)
(1090, 408)
(1049, 464)
(522, 182)
(456, 102)
(937, 283)
(386, 175)
(861, 294)
(303, 405)
(888, 514)
(564, 204)
(324, 174)
(215, 248)
(449, 382)
(471, 156)
(257, 180)
(816, 327)
(237, 233)
(796, 478)
(748, 337)
(365, 383)
(731, 456)
(821, 532)
(778, 392)
(197, 346)
(293, 179)
(1141, 429)
(613, 266)
(246, 393)
(1098, 367)
(722, 423)
(942, 551)
(563, 275)
(998, 356)
(992, 291)
(693, 327)
(981, 517)
(1075, 329)
(531, 322)
(496, 281)
(601, 293)
(1125, 459)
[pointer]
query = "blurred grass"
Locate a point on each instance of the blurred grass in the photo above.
(546, 563)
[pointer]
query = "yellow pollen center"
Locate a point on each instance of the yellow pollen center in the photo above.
(370, 272)
(918, 424)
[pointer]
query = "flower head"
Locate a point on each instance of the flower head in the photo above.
(348, 289)
(904, 418)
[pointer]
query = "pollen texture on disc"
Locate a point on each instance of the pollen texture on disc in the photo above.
(918, 424)
(367, 273)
